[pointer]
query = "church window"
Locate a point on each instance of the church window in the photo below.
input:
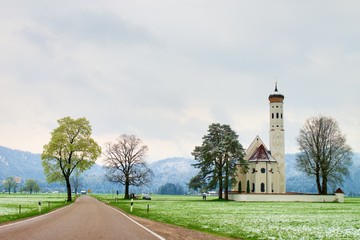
(272, 115)
(277, 106)
(277, 115)
(239, 187)
(253, 187)
(263, 170)
(262, 187)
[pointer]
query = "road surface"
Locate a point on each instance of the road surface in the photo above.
(87, 218)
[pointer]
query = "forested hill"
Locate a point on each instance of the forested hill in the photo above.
(20, 163)
(177, 171)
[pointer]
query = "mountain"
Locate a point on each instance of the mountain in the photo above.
(172, 170)
(20, 163)
(176, 170)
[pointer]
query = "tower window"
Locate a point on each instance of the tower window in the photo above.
(277, 115)
(281, 115)
(263, 170)
(262, 187)
(272, 115)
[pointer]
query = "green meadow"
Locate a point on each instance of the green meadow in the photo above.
(250, 220)
(18, 206)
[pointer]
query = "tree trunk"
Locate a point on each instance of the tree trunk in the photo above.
(324, 185)
(68, 188)
(226, 180)
(127, 184)
(220, 184)
(318, 182)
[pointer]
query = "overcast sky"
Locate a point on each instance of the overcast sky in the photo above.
(165, 70)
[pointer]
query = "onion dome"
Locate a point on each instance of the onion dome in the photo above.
(276, 96)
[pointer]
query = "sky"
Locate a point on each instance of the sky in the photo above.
(165, 70)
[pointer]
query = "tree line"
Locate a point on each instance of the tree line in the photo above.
(71, 150)
(11, 183)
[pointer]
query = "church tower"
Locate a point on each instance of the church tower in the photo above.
(277, 138)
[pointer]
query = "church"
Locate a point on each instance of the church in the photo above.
(265, 179)
(266, 172)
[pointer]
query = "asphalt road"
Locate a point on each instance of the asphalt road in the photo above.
(87, 218)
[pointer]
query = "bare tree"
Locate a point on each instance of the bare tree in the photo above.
(323, 152)
(125, 162)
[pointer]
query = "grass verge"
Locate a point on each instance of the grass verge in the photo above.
(19, 206)
(251, 220)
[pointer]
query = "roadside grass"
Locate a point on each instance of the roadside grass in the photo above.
(17, 206)
(250, 220)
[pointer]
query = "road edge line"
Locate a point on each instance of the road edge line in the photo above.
(140, 225)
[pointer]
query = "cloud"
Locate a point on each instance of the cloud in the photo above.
(167, 70)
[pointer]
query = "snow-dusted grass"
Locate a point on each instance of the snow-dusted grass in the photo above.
(10, 204)
(255, 220)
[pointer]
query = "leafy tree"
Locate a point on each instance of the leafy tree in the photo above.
(9, 184)
(125, 162)
(70, 148)
(323, 152)
(217, 158)
(31, 186)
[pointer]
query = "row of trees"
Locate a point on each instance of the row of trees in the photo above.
(72, 150)
(30, 185)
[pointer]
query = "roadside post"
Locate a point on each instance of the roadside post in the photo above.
(39, 206)
(131, 204)
(148, 208)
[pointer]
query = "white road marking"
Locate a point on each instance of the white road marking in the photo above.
(140, 225)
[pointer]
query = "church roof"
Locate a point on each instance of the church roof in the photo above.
(261, 154)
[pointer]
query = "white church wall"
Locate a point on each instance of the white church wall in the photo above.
(338, 197)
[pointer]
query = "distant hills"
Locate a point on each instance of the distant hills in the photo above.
(176, 170)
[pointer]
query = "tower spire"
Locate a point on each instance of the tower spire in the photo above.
(276, 90)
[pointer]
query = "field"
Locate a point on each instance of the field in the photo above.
(250, 220)
(17, 206)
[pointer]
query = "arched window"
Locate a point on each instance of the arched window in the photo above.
(239, 187)
(262, 187)
(277, 115)
(263, 170)
(281, 116)
(272, 115)
(253, 187)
